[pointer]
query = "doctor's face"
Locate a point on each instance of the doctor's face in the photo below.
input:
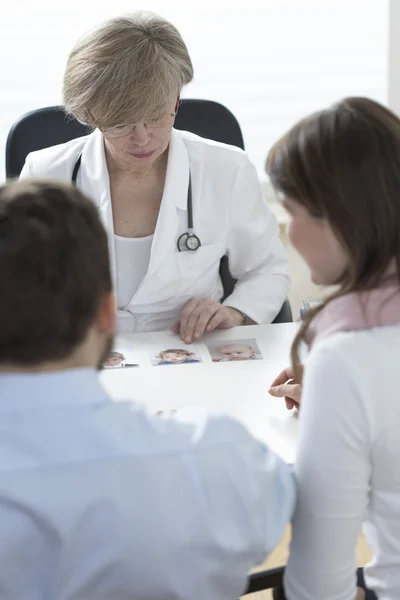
(139, 145)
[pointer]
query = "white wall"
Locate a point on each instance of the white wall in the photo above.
(270, 61)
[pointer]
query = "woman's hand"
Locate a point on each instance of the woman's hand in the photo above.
(205, 314)
(286, 386)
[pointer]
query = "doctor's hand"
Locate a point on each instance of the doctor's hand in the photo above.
(286, 386)
(205, 314)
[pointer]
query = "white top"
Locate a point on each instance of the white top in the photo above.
(100, 501)
(230, 216)
(132, 261)
(348, 468)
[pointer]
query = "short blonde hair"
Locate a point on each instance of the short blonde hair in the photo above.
(126, 71)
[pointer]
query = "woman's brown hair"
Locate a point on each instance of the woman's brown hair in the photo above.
(343, 165)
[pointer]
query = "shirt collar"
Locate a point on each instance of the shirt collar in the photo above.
(71, 387)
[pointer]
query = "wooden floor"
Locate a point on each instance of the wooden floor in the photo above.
(279, 557)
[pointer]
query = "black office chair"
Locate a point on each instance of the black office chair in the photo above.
(49, 126)
(266, 580)
(273, 579)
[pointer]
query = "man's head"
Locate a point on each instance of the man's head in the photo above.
(175, 355)
(114, 359)
(237, 352)
(56, 286)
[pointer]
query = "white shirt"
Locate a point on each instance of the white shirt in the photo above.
(99, 501)
(230, 217)
(348, 468)
(131, 252)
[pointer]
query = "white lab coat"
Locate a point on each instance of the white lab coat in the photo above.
(229, 214)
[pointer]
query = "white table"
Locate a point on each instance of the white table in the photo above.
(237, 388)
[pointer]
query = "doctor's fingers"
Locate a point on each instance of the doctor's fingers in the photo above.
(176, 327)
(185, 315)
(199, 319)
(209, 319)
(219, 320)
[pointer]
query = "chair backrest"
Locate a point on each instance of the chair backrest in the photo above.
(266, 580)
(49, 126)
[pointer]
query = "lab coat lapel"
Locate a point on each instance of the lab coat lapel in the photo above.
(95, 183)
(164, 247)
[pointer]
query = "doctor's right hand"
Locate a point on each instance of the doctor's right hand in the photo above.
(286, 386)
(205, 314)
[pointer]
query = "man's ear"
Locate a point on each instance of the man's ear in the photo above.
(177, 104)
(107, 314)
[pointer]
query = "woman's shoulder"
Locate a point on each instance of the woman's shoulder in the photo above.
(211, 150)
(346, 344)
(357, 355)
(50, 161)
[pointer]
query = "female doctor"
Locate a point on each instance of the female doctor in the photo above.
(172, 203)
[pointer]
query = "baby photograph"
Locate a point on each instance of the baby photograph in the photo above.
(174, 356)
(234, 350)
(119, 360)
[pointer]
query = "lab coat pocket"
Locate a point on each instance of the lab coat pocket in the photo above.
(200, 268)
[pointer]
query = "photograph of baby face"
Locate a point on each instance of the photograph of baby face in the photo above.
(118, 360)
(234, 350)
(175, 356)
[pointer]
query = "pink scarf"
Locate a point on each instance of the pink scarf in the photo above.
(359, 310)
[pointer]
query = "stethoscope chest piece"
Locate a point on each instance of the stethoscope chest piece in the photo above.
(188, 241)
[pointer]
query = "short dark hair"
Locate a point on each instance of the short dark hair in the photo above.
(54, 270)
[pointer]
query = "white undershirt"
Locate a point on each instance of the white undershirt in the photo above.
(132, 261)
(348, 468)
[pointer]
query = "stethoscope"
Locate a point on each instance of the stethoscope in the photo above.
(186, 241)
